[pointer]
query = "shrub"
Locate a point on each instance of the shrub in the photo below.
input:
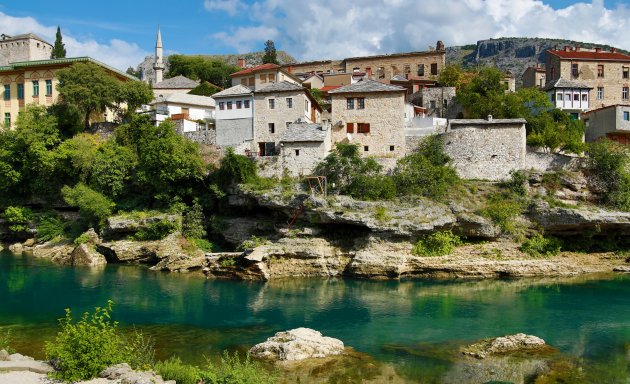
(50, 227)
(94, 207)
(437, 244)
(5, 341)
(552, 182)
(609, 163)
(372, 187)
(252, 243)
(18, 218)
(174, 369)
(426, 171)
(193, 222)
(82, 239)
(157, 230)
(234, 370)
(540, 246)
(235, 169)
(381, 215)
(81, 350)
(518, 183)
(343, 165)
(503, 210)
(204, 245)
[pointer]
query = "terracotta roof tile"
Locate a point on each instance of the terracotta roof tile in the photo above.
(589, 55)
(257, 68)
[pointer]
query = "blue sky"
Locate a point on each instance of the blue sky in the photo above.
(122, 33)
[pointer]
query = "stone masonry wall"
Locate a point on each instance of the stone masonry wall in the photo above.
(233, 132)
(279, 116)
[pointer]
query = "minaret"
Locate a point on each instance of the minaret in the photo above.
(158, 66)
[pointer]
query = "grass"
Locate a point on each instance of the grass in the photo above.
(503, 209)
(381, 214)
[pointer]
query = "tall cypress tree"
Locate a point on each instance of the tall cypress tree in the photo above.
(59, 50)
(270, 53)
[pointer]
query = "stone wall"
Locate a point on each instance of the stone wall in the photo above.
(204, 136)
(486, 150)
(14, 50)
(280, 115)
(395, 64)
(551, 162)
(233, 132)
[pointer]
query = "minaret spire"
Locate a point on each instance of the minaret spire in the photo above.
(158, 66)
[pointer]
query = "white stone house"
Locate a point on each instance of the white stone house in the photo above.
(276, 106)
(569, 95)
(234, 120)
(612, 122)
(196, 112)
(372, 115)
(262, 75)
(302, 146)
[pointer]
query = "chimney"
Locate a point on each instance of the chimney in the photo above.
(567, 48)
(577, 48)
(240, 62)
(489, 117)
(613, 49)
(439, 46)
(598, 49)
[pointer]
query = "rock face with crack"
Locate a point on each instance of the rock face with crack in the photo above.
(297, 344)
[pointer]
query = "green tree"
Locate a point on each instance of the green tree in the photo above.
(202, 68)
(234, 169)
(555, 130)
(112, 168)
(59, 50)
(270, 53)
(484, 95)
(205, 89)
(130, 96)
(451, 76)
(344, 165)
(193, 222)
(610, 165)
(93, 207)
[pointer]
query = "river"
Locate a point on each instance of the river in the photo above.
(586, 317)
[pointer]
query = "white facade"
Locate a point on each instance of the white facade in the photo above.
(191, 108)
(235, 107)
(570, 98)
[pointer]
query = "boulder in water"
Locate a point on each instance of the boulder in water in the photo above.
(505, 345)
(297, 344)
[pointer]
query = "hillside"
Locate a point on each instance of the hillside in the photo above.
(512, 54)
(253, 58)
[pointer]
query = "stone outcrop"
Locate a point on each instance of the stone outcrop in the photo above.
(58, 252)
(506, 345)
(123, 374)
(85, 255)
(297, 344)
(18, 362)
(579, 221)
(128, 224)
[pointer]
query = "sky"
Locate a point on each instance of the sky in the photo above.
(122, 33)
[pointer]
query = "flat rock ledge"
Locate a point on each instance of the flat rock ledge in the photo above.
(297, 344)
(506, 345)
(20, 363)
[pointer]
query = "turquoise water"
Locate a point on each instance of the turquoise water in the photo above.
(587, 317)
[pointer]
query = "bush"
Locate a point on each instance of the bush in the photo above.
(94, 207)
(157, 230)
(437, 244)
(518, 183)
(50, 227)
(252, 243)
(82, 239)
(174, 369)
(235, 169)
(193, 222)
(381, 214)
(425, 172)
(5, 341)
(81, 350)
(609, 163)
(343, 165)
(204, 245)
(540, 246)
(372, 187)
(503, 210)
(18, 218)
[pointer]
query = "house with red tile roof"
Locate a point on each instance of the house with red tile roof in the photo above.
(262, 75)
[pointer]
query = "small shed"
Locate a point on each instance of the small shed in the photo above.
(302, 146)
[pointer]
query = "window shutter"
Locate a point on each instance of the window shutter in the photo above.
(350, 127)
(367, 127)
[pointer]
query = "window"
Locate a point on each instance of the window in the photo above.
(297, 152)
(272, 77)
(20, 91)
(432, 104)
(7, 92)
(221, 105)
(434, 69)
(350, 128)
(239, 104)
(48, 87)
(366, 148)
(626, 116)
(349, 103)
(363, 128)
(381, 72)
(272, 128)
(289, 102)
(576, 97)
(229, 105)
(420, 69)
(246, 104)
(584, 97)
(263, 78)
(624, 93)
(567, 97)
(574, 70)
(553, 97)
(406, 69)
(306, 106)
(35, 88)
(244, 81)
(356, 69)
(272, 103)
(360, 103)
(391, 148)
(559, 96)
(252, 82)
(7, 119)
(626, 72)
(600, 70)
(600, 93)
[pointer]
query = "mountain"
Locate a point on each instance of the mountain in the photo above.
(512, 54)
(251, 59)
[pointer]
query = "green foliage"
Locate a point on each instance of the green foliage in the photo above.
(541, 246)
(381, 214)
(437, 244)
(193, 222)
(157, 231)
(94, 207)
(227, 262)
(82, 349)
(426, 171)
(5, 341)
(372, 187)
(205, 89)
(609, 164)
(18, 218)
(252, 243)
(503, 209)
(50, 227)
(204, 245)
(201, 68)
(554, 130)
(270, 53)
(83, 238)
(112, 168)
(518, 183)
(235, 169)
(132, 94)
(75, 157)
(552, 182)
(451, 76)
(174, 369)
(59, 49)
(343, 165)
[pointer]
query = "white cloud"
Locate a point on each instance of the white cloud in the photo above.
(230, 6)
(336, 29)
(117, 53)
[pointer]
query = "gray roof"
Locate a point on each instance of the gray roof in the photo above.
(177, 82)
(5, 37)
(283, 86)
(399, 78)
(236, 90)
(564, 83)
(366, 86)
(303, 132)
(184, 98)
(486, 122)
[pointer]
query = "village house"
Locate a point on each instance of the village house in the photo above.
(606, 72)
(570, 96)
(612, 122)
(312, 81)
(192, 112)
(276, 106)
(20, 48)
(234, 117)
(262, 75)
(302, 146)
(372, 115)
(534, 77)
